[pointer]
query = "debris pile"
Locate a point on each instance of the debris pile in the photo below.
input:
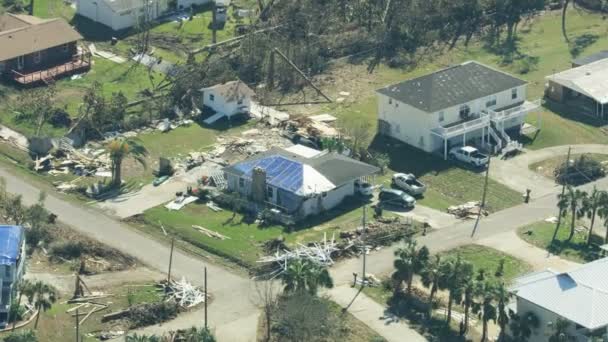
(184, 293)
(469, 210)
(210, 233)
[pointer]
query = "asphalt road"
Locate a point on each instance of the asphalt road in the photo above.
(232, 312)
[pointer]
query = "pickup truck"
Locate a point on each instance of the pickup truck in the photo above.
(469, 155)
(409, 183)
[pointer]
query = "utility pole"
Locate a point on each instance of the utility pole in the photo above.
(77, 326)
(559, 210)
(363, 240)
(483, 196)
(213, 24)
(206, 297)
(170, 261)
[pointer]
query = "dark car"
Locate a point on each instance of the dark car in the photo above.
(397, 198)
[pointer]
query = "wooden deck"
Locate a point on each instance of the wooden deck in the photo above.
(49, 75)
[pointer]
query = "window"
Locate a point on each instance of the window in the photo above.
(396, 104)
(2, 67)
(513, 93)
(239, 102)
(269, 192)
(20, 62)
(390, 101)
(241, 182)
(441, 117)
(37, 57)
(465, 111)
(65, 47)
(211, 97)
(491, 101)
(7, 271)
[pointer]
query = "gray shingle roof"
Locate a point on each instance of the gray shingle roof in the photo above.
(452, 86)
(580, 295)
(591, 58)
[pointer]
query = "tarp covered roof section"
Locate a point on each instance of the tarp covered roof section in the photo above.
(590, 80)
(10, 244)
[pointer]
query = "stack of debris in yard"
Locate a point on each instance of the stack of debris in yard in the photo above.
(86, 301)
(211, 233)
(319, 253)
(309, 128)
(184, 293)
(469, 210)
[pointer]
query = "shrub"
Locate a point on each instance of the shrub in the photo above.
(68, 250)
(582, 170)
(60, 118)
(153, 313)
(34, 236)
(25, 336)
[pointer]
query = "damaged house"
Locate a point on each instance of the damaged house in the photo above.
(12, 259)
(227, 99)
(298, 181)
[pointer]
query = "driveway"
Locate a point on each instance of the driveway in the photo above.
(436, 218)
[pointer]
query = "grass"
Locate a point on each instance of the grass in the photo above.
(488, 259)
(547, 166)
(53, 9)
(447, 183)
(540, 234)
(246, 239)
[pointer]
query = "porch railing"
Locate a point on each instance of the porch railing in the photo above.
(468, 126)
(78, 62)
(514, 112)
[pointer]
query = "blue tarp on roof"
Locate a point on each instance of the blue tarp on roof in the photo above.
(280, 172)
(10, 243)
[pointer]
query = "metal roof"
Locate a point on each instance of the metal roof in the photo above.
(580, 295)
(590, 79)
(10, 244)
(452, 86)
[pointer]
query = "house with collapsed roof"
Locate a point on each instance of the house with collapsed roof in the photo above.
(583, 88)
(579, 296)
(227, 99)
(469, 103)
(298, 181)
(121, 14)
(12, 261)
(34, 50)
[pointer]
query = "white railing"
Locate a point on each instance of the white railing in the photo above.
(495, 137)
(465, 127)
(520, 110)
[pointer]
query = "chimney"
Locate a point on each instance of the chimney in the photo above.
(258, 184)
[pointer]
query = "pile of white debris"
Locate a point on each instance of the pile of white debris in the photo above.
(184, 293)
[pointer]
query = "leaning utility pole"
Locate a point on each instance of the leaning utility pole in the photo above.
(170, 261)
(77, 326)
(206, 297)
(559, 210)
(483, 196)
(363, 240)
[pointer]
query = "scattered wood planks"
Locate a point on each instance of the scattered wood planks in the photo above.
(210, 233)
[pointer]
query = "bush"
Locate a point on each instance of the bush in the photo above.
(25, 336)
(16, 313)
(153, 313)
(60, 118)
(583, 170)
(68, 250)
(34, 236)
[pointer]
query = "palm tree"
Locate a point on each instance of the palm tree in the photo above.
(304, 275)
(454, 274)
(602, 211)
(199, 335)
(26, 288)
(502, 297)
(572, 199)
(119, 149)
(590, 205)
(522, 326)
(564, 11)
(410, 260)
(468, 291)
(44, 296)
(485, 309)
(431, 275)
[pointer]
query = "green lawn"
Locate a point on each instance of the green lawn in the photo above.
(541, 233)
(245, 245)
(547, 166)
(53, 9)
(488, 259)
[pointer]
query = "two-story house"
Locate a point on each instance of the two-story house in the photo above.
(466, 103)
(122, 14)
(227, 99)
(12, 261)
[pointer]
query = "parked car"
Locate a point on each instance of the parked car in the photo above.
(469, 155)
(396, 198)
(363, 188)
(408, 183)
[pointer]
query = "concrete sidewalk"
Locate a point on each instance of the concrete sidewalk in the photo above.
(374, 315)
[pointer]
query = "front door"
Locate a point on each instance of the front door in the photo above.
(20, 62)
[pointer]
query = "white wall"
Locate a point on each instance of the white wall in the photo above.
(317, 204)
(408, 124)
(188, 3)
(220, 105)
(103, 14)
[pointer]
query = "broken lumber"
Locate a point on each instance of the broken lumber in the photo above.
(115, 315)
(210, 233)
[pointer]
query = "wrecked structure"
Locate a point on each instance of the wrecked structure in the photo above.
(12, 258)
(297, 181)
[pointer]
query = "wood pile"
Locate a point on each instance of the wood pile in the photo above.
(467, 210)
(184, 293)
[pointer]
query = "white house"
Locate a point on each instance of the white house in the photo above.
(299, 181)
(227, 99)
(12, 261)
(121, 14)
(579, 296)
(465, 103)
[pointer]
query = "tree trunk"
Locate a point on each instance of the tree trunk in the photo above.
(431, 296)
(592, 223)
(268, 323)
(572, 223)
(467, 307)
(606, 225)
(484, 332)
(117, 177)
(409, 284)
(18, 305)
(37, 318)
(450, 300)
(564, 10)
